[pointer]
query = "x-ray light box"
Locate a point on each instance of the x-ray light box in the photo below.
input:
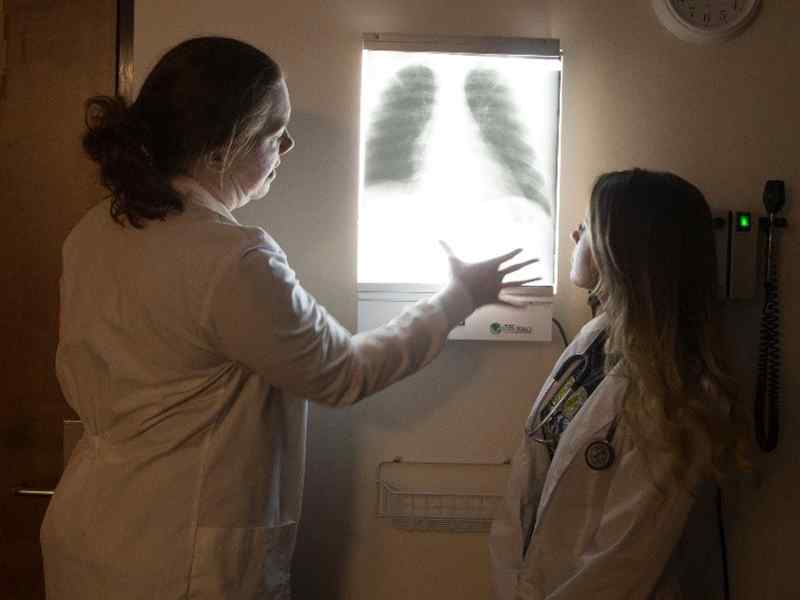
(459, 142)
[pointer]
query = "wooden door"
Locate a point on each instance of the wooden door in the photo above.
(58, 54)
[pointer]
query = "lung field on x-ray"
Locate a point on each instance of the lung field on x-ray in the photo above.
(492, 107)
(393, 150)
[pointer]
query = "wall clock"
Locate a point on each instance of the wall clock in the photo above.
(705, 21)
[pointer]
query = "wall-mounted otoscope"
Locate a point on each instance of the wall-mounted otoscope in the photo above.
(738, 237)
(766, 411)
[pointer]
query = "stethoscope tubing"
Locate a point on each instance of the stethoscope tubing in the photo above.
(556, 387)
(599, 454)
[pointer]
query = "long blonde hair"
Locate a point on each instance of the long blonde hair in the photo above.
(652, 241)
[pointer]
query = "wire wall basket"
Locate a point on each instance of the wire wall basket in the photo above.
(446, 497)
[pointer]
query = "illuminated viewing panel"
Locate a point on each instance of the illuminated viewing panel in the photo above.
(461, 148)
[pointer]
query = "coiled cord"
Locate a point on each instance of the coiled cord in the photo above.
(768, 383)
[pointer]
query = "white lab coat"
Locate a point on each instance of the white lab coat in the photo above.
(185, 348)
(601, 535)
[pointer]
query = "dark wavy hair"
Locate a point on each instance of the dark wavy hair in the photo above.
(207, 96)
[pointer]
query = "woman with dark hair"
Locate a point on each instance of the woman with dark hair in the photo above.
(187, 345)
(612, 490)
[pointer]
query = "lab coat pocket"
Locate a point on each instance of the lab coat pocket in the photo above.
(244, 563)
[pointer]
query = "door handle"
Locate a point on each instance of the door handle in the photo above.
(29, 492)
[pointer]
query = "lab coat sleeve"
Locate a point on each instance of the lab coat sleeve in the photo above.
(261, 316)
(642, 520)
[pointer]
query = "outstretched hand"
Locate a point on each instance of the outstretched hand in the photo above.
(484, 279)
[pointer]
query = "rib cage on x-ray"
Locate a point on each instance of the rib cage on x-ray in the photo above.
(395, 147)
(461, 148)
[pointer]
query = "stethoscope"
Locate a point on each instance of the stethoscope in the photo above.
(569, 377)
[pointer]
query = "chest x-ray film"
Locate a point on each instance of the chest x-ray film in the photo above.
(461, 148)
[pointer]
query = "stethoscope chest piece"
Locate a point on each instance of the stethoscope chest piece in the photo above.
(600, 455)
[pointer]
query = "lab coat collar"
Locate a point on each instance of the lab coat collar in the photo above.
(196, 193)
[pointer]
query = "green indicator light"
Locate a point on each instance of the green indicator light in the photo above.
(743, 221)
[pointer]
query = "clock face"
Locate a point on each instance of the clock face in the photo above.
(713, 14)
(705, 21)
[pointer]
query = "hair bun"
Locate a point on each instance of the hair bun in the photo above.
(114, 132)
(118, 141)
(105, 111)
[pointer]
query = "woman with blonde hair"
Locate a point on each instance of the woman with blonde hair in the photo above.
(612, 491)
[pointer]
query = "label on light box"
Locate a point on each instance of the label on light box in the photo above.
(496, 322)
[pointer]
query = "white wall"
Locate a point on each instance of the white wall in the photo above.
(721, 116)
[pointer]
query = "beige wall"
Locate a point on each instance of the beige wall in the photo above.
(724, 117)
(721, 116)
